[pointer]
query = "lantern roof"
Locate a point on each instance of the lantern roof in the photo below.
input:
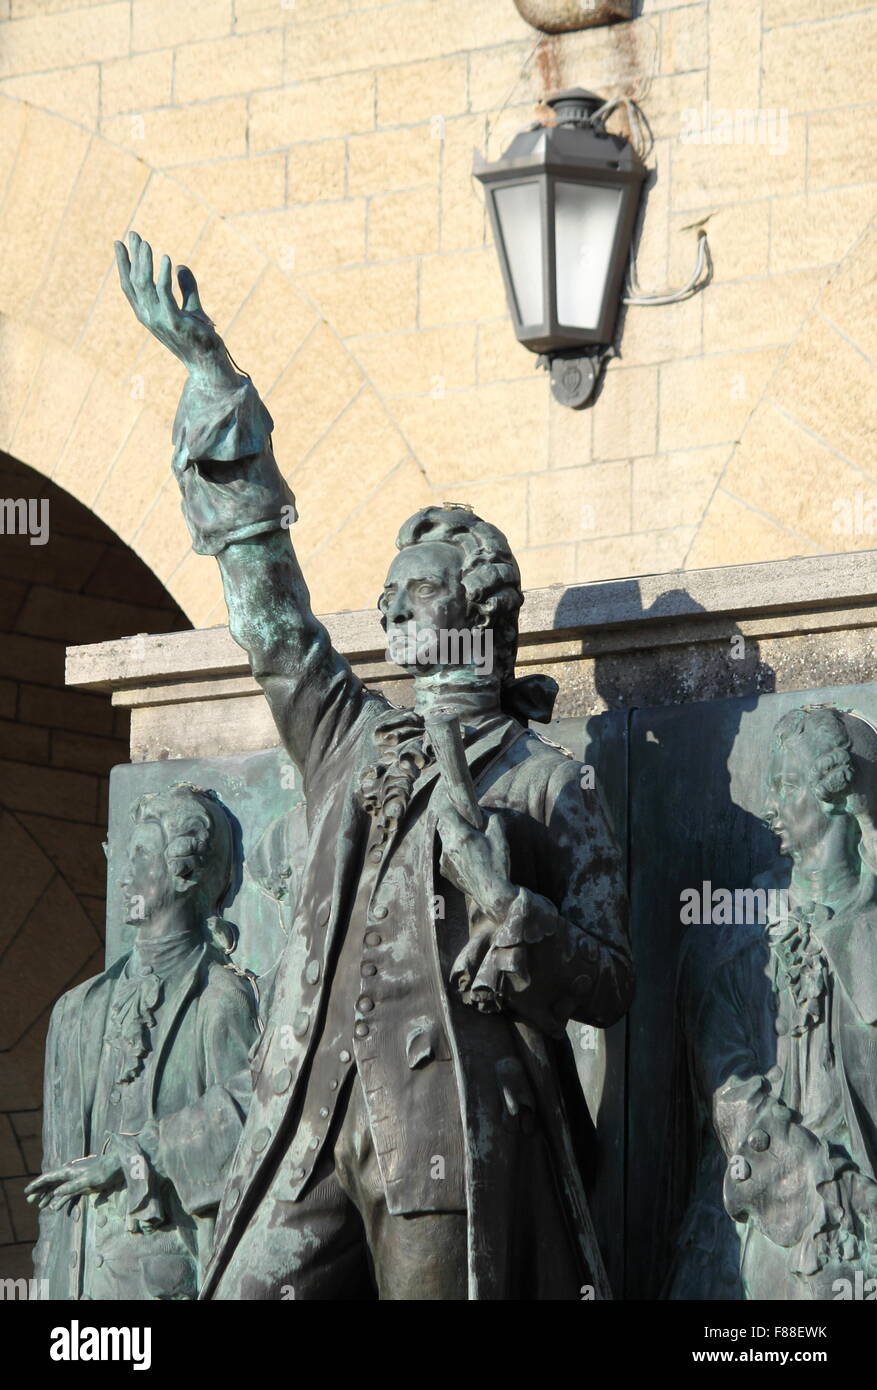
(575, 144)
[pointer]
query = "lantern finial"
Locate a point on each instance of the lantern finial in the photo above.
(575, 106)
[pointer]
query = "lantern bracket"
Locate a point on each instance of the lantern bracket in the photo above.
(575, 374)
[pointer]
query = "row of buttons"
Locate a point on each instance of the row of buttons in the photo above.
(364, 1005)
(282, 1078)
(281, 1082)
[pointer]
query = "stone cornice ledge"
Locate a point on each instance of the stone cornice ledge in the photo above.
(635, 609)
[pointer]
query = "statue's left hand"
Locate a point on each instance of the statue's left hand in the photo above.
(477, 861)
(97, 1173)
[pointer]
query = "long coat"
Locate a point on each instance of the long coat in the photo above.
(562, 855)
(572, 917)
(197, 1098)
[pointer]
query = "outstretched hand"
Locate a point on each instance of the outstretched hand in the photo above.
(96, 1173)
(185, 330)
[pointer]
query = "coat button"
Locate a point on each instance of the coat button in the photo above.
(360, 1030)
(333, 1085)
(299, 1174)
(375, 855)
(74, 1256)
(324, 1112)
(364, 1004)
(373, 938)
(379, 913)
(344, 1055)
(100, 1219)
(76, 1213)
(232, 1197)
(115, 1097)
(368, 969)
(281, 1079)
(260, 1139)
(315, 1143)
(301, 1023)
(324, 914)
(312, 974)
(98, 1259)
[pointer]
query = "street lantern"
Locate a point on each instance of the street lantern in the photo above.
(563, 202)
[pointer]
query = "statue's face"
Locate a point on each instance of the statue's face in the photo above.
(792, 809)
(423, 597)
(147, 883)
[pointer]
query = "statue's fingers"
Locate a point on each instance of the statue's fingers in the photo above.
(189, 290)
(48, 1179)
(123, 260)
(68, 1190)
(164, 288)
(498, 838)
(134, 244)
(123, 264)
(141, 259)
(145, 257)
(33, 1187)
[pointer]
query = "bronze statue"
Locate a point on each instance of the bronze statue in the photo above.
(781, 1029)
(147, 1078)
(462, 900)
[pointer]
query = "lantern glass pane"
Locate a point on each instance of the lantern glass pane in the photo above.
(519, 213)
(585, 220)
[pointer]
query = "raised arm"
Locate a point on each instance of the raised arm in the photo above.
(239, 508)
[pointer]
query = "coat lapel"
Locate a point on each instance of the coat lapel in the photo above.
(483, 748)
(91, 1026)
(168, 1013)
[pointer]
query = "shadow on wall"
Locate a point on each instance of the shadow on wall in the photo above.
(65, 578)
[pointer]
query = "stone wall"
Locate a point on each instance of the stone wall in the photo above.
(313, 162)
(56, 750)
(623, 644)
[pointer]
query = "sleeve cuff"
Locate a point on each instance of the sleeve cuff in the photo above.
(222, 425)
(145, 1210)
(232, 489)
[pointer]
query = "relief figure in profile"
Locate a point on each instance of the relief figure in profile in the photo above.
(780, 1025)
(411, 1130)
(147, 1078)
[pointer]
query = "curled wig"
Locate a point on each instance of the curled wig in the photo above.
(828, 742)
(198, 842)
(489, 572)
